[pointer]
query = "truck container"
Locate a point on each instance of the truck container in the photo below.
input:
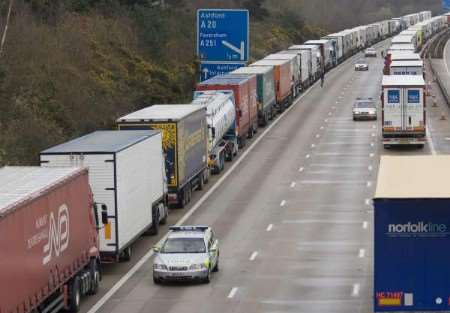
(406, 68)
(362, 37)
(337, 43)
(295, 68)
(316, 58)
(305, 66)
(244, 89)
(403, 48)
(404, 40)
(326, 51)
(48, 239)
(411, 232)
(404, 56)
(184, 141)
(403, 110)
(221, 119)
(284, 86)
(265, 91)
(126, 172)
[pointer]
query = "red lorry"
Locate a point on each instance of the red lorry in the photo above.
(48, 239)
(245, 98)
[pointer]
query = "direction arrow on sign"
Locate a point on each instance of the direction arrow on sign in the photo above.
(241, 50)
(209, 70)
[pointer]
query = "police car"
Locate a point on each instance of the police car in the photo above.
(190, 253)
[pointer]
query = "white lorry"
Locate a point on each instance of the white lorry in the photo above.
(403, 110)
(127, 173)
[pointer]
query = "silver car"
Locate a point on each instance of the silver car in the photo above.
(370, 52)
(364, 109)
(190, 253)
(361, 65)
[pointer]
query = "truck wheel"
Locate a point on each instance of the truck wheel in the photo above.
(153, 230)
(216, 268)
(163, 221)
(95, 277)
(250, 132)
(74, 295)
(189, 191)
(201, 182)
(182, 198)
(126, 254)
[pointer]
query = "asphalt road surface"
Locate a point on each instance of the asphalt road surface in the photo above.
(294, 216)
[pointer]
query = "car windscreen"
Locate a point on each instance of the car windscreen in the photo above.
(184, 245)
(364, 104)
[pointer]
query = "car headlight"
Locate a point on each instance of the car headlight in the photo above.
(201, 266)
(356, 112)
(157, 266)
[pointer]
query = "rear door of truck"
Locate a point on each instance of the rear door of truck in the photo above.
(393, 109)
(413, 108)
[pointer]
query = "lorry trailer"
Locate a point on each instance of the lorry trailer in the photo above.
(126, 172)
(326, 51)
(221, 119)
(403, 110)
(265, 91)
(305, 66)
(411, 232)
(48, 239)
(316, 59)
(406, 68)
(184, 133)
(295, 68)
(245, 100)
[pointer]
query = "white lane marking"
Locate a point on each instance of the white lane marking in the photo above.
(369, 184)
(430, 142)
(301, 169)
(374, 126)
(362, 253)
(355, 290)
(445, 59)
(371, 155)
(372, 144)
(365, 224)
(144, 259)
(283, 203)
(232, 292)
(293, 184)
(308, 156)
(318, 136)
(253, 256)
(373, 134)
(313, 146)
(321, 127)
(447, 138)
(333, 107)
(329, 113)
(269, 227)
(370, 168)
(325, 120)
(367, 201)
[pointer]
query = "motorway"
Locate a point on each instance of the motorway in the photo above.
(294, 215)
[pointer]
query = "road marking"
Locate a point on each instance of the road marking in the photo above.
(232, 292)
(373, 134)
(365, 224)
(371, 155)
(369, 184)
(321, 127)
(367, 201)
(355, 290)
(318, 136)
(374, 126)
(253, 256)
(372, 144)
(301, 169)
(361, 253)
(370, 168)
(144, 259)
(308, 156)
(283, 203)
(293, 184)
(313, 146)
(329, 113)
(325, 120)
(269, 227)
(430, 141)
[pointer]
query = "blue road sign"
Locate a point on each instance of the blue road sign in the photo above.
(446, 5)
(209, 70)
(223, 35)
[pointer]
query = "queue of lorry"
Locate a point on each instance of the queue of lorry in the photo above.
(94, 196)
(403, 96)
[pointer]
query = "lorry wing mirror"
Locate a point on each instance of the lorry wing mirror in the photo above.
(104, 214)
